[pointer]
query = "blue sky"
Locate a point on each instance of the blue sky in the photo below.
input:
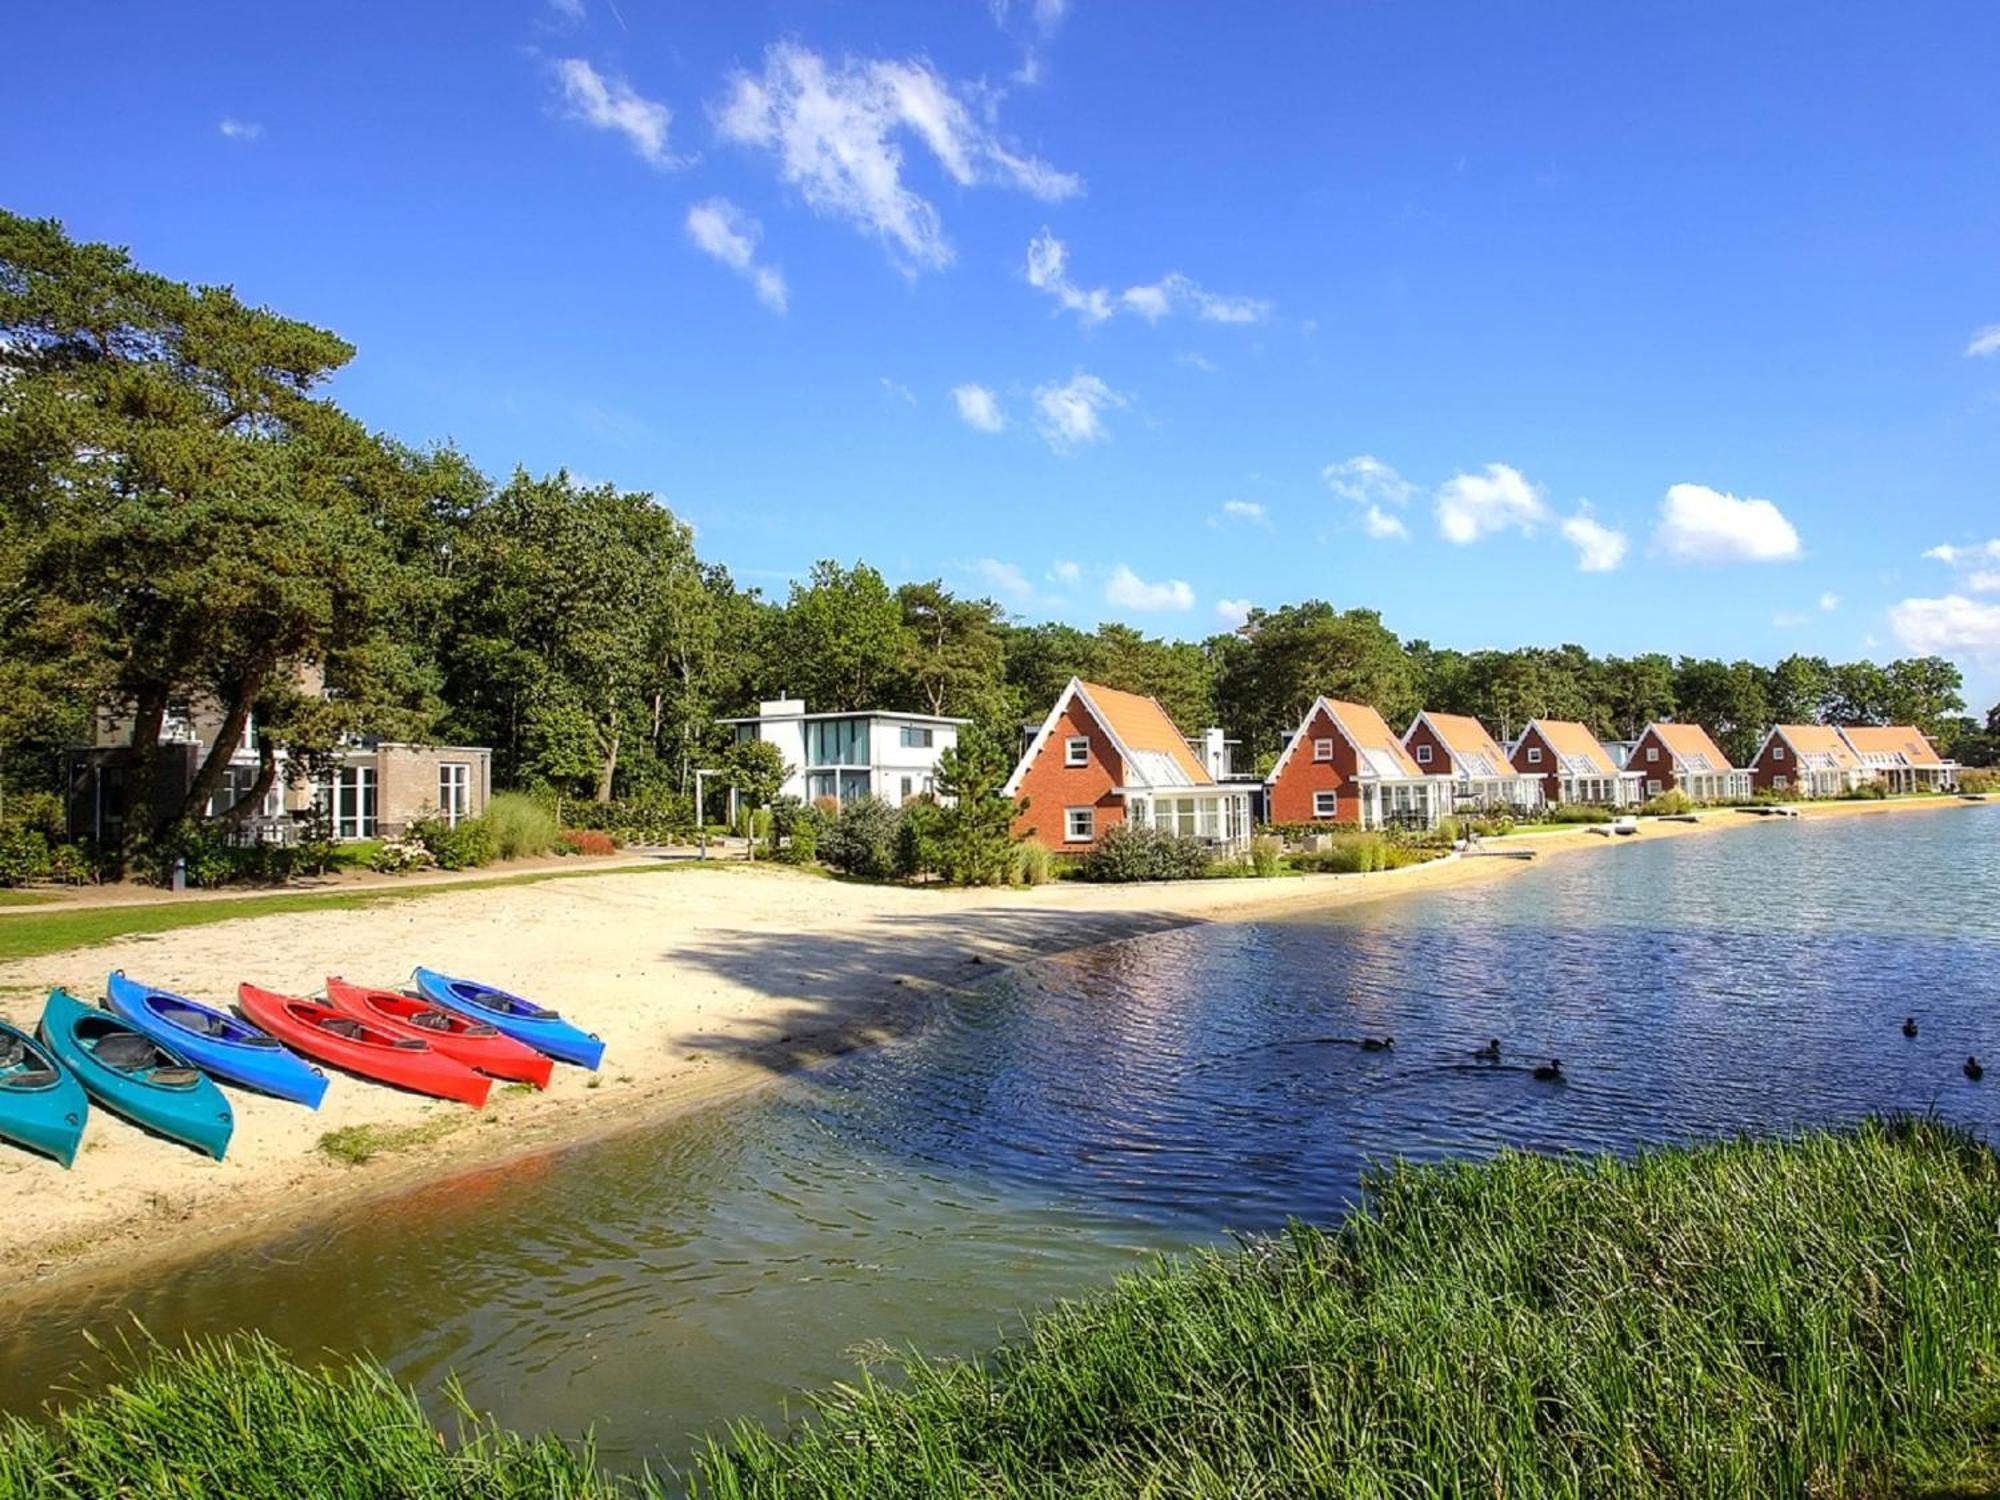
(1675, 329)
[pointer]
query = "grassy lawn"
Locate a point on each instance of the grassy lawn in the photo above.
(60, 931)
(24, 898)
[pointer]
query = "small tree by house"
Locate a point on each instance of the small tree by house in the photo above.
(975, 840)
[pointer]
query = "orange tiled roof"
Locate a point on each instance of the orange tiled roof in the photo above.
(1141, 725)
(1466, 739)
(1809, 741)
(1690, 743)
(1893, 739)
(1373, 736)
(1576, 747)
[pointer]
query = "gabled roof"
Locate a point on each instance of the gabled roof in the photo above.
(1577, 750)
(1155, 753)
(1380, 756)
(1474, 752)
(1690, 747)
(1816, 747)
(1891, 745)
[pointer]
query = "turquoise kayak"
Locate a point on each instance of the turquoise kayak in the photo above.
(42, 1106)
(130, 1074)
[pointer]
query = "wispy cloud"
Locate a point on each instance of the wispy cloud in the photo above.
(1498, 498)
(610, 103)
(1195, 361)
(1065, 572)
(1955, 556)
(1599, 548)
(568, 11)
(1701, 525)
(1128, 590)
(1233, 612)
(978, 407)
(1243, 512)
(1829, 601)
(1374, 486)
(1986, 341)
(897, 389)
(1071, 415)
(836, 131)
(1005, 580)
(240, 130)
(1048, 271)
(721, 229)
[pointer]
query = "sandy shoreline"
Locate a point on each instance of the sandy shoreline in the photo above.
(705, 983)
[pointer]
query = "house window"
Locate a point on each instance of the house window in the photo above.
(837, 742)
(1534, 755)
(352, 802)
(1322, 749)
(1076, 751)
(916, 737)
(1423, 755)
(909, 787)
(1779, 783)
(1777, 752)
(1652, 753)
(1325, 805)
(1079, 825)
(1652, 786)
(454, 791)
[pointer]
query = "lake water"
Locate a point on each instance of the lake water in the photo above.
(1062, 1123)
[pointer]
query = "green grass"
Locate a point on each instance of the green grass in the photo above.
(1819, 1317)
(86, 927)
(352, 1145)
(24, 898)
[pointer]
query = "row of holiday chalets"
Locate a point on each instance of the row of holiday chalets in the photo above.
(1104, 757)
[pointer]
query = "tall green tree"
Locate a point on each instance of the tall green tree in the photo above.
(974, 842)
(843, 639)
(953, 652)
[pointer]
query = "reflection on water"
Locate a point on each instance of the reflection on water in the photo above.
(1061, 1123)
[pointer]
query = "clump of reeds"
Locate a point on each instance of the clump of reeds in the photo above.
(1819, 1316)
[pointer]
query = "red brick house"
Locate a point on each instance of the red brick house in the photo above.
(1343, 764)
(1458, 746)
(1901, 757)
(1573, 765)
(1667, 756)
(1806, 760)
(1105, 757)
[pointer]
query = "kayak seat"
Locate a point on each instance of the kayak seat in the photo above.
(201, 1022)
(30, 1078)
(431, 1020)
(409, 1044)
(173, 1078)
(536, 1012)
(354, 1031)
(128, 1052)
(13, 1051)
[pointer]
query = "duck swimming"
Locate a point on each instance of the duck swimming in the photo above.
(1973, 1070)
(1551, 1071)
(1378, 1044)
(1490, 1052)
(1909, 1026)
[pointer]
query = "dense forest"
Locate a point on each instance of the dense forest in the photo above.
(183, 511)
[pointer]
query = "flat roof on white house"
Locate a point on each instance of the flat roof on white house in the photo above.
(859, 713)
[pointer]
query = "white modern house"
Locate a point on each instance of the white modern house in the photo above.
(872, 753)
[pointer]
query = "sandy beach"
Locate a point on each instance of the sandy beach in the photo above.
(704, 981)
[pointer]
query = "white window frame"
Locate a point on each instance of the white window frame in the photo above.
(1079, 825)
(916, 737)
(1326, 804)
(1534, 755)
(1322, 751)
(1652, 786)
(1652, 754)
(454, 790)
(1781, 783)
(1076, 750)
(1423, 755)
(1777, 752)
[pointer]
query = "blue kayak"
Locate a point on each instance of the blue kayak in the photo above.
(523, 1020)
(42, 1106)
(130, 1074)
(216, 1042)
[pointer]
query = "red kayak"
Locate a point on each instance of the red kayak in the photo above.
(334, 1036)
(459, 1038)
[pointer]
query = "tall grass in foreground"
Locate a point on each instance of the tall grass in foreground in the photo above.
(1817, 1317)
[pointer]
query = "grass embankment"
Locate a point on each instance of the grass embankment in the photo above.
(1819, 1316)
(30, 936)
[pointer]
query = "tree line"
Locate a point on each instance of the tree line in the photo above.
(184, 513)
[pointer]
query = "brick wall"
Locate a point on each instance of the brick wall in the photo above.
(1290, 798)
(1052, 788)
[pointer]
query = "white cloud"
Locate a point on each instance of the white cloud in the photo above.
(1983, 581)
(1383, 526)
(978, 407)
(1195, 361)
(1599, 549)
(1129, 591)
(897, 389)
(1470, 506)
(1066, 573)
(1248, 511)
(1790, 619)
(1366, 480)
(721, 229)
(1955, 556)
(1048, 271)
(1072, 414)
(610, 103)
(1004, 579)
(571, 11)
(1232, 612)
(1829, 601)
(1951, 626)
(837, 130)
(1701, 525)
(240, 130)
(1986, 341)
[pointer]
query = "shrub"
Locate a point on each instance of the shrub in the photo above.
(1868, 791)
(1668, 803)
(78, 864)
(862, 840)
(665, 820)
(1033, 864)
(1298, 833)
(586, 841)
(1349, 854)
(42, 811)
(464, 847)
(400, 856)
(522, 826)
(1979, 780)
(1266, 855)
(24, 854)
(795, 830)
(917, 838)
(1490, 825)
(1579, 812)
(1128, 853)
(1448, 831)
